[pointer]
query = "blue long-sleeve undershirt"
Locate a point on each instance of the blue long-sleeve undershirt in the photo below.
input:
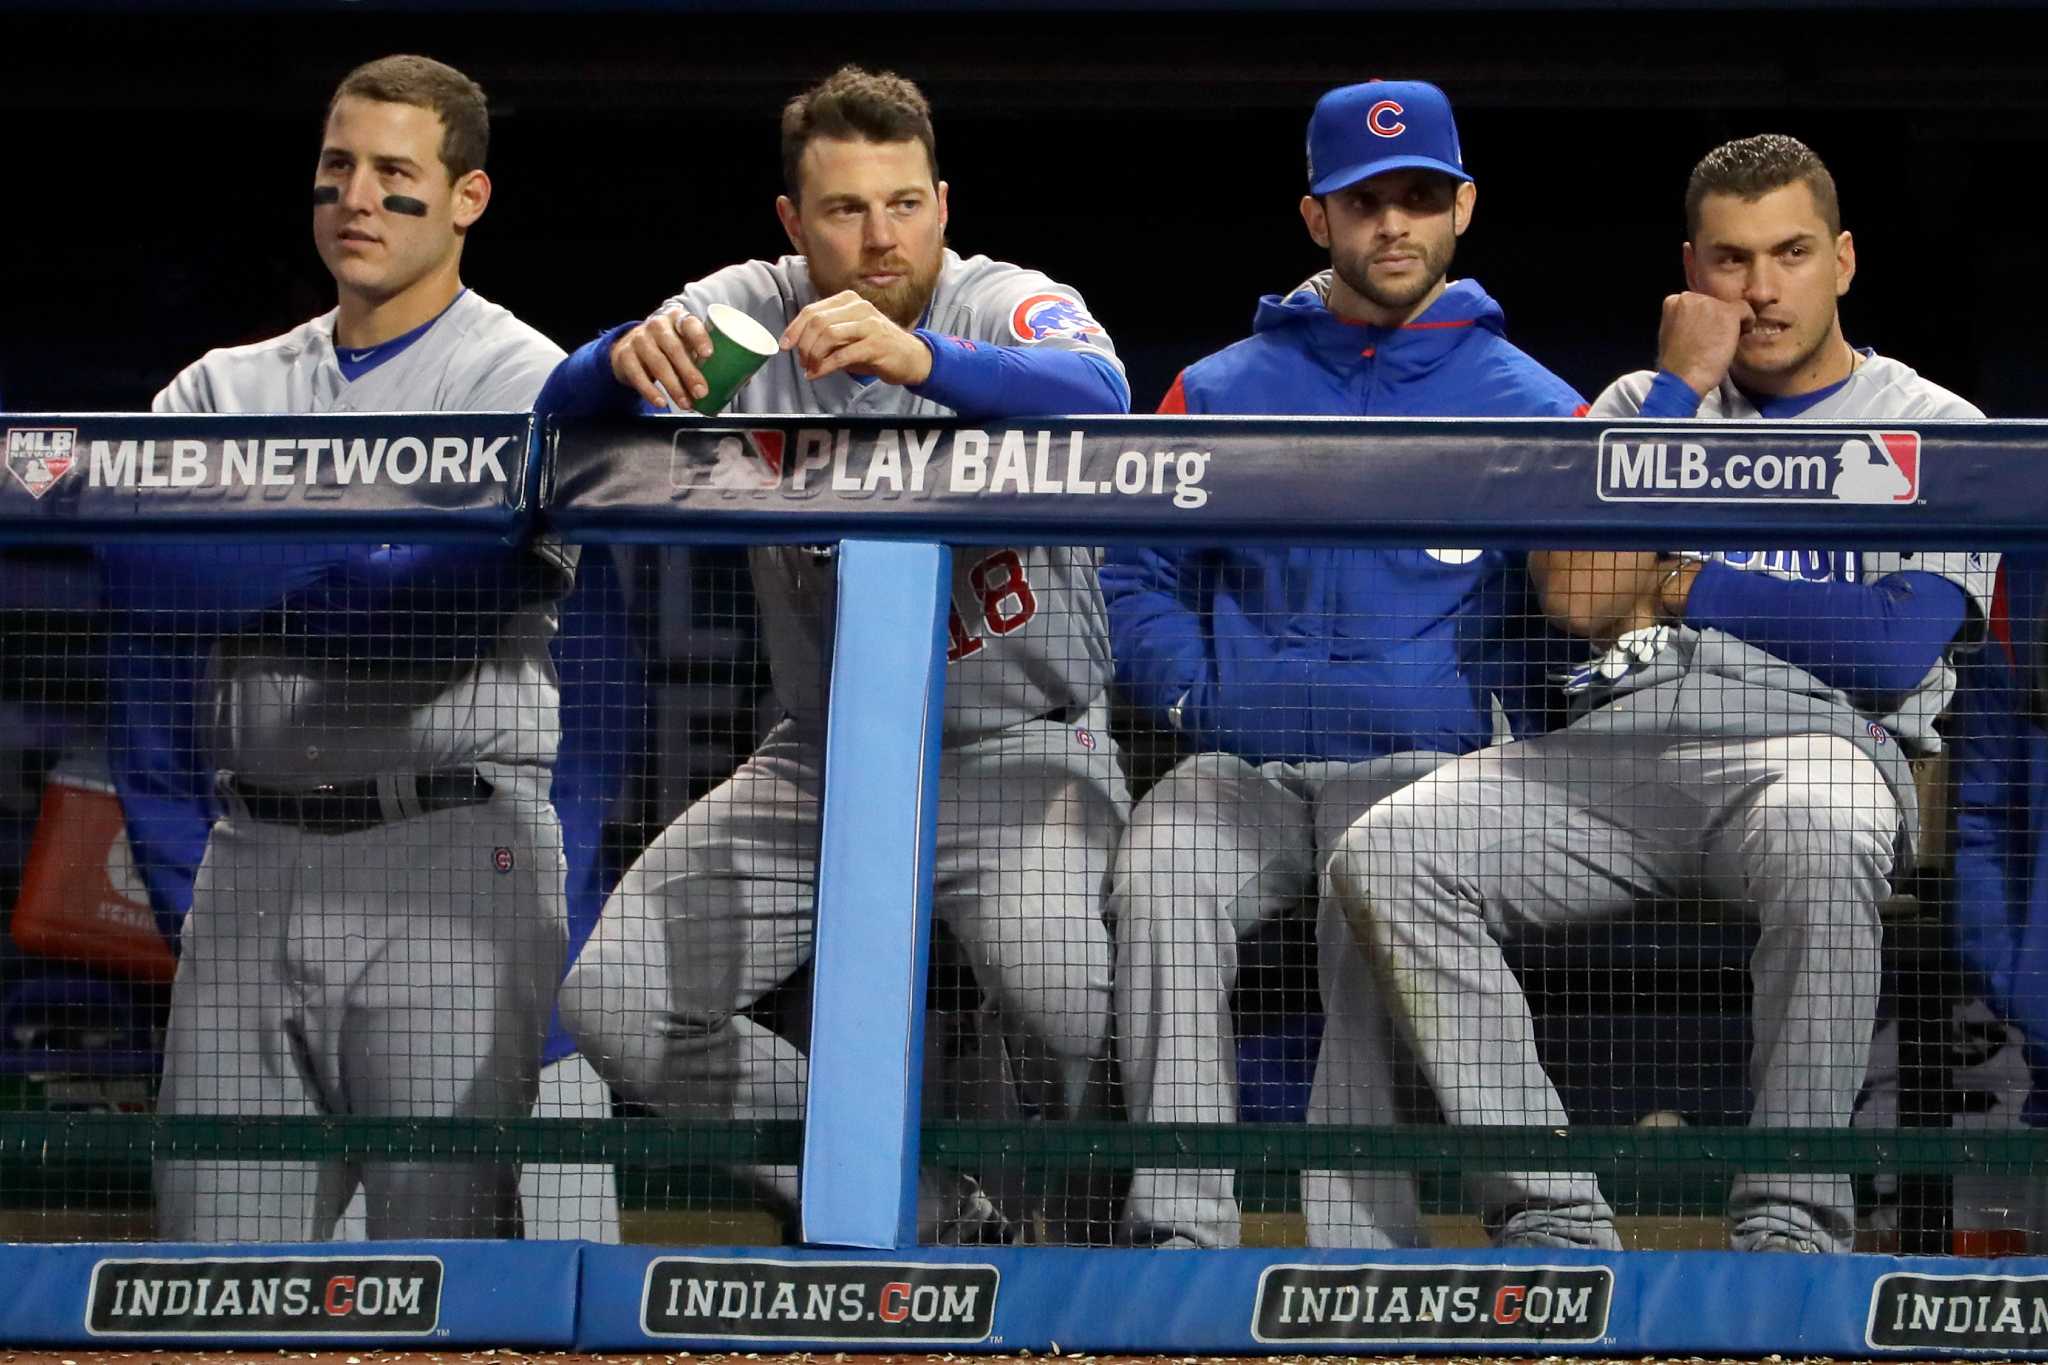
(1019, 381)
(583, 385)
(413, 603)
(1670, 396)
(416, 603)
(973, 380)
(1875, 641)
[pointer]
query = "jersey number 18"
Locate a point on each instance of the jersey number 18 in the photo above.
(1006, 601)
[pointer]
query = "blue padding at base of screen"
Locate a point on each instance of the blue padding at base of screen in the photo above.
(990, 1299)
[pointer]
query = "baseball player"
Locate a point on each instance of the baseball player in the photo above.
(1743, 737)
(377, 926)
(876, 317)
(1315, 680)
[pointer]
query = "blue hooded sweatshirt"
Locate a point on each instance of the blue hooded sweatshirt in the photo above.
(1316, 653)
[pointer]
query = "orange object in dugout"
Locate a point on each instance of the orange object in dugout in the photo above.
(82, 899)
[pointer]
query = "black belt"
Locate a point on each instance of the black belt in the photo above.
(348, 807)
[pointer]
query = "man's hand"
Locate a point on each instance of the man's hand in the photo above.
(1604, 594)
(1698, 337)
(1599, 594)
(658, 359)
(846, 332)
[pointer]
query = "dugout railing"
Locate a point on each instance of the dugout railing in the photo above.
(1525, 484)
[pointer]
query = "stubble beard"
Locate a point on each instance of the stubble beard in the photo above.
(1746, 374)
(1356, 271)
(904, 302)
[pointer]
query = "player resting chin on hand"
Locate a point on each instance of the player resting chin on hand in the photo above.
(1744, 735)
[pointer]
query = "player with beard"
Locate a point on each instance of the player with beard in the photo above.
(1312, 679)
(876, 317)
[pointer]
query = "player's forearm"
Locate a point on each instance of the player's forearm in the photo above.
(583, 384)
(1305, 708)
(420, 604)
(1876, 641)
(222, 586)
(1019, 381)
(1155, 638)
(1159, 660)
(1596, 593)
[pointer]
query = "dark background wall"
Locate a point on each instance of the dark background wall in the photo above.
(157, 164)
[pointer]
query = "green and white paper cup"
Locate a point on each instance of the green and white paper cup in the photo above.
(739, 346)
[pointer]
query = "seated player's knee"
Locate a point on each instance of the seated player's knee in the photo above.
(591, 1007)
(1828, 828)
(1064, 1010)
(1163, 825)
(1364, 868)
(686, 851)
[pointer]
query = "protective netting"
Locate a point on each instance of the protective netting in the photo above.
(1311, 943)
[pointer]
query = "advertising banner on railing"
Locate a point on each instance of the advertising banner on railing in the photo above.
(73, 476)
(1160, 480)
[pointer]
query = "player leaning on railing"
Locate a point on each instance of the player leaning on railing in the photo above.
(1744, 737)
(377, 926)
(874, 315)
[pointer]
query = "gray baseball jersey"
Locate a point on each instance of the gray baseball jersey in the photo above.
(1704, 768)
(719, 908)
(1878, 390)
(281, 719)
(407, 968)
(1029, 633)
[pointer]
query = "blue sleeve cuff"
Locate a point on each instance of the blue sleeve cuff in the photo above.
(1875, 640)
(1670, 396)
(583, 384)
(981, 380)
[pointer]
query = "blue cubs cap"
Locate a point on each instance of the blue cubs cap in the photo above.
(1358, 131)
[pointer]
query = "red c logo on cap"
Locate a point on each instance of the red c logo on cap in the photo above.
(1394, 129)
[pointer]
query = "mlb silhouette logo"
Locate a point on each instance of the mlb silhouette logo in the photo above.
(39, 456)
(1877, 468)
(741, 462)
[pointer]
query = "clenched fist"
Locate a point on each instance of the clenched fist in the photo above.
(1698, 337)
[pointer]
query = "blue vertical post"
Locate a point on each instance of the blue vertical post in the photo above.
(875, 895)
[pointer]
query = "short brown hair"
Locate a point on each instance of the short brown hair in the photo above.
(427, 84)
(871, 106)
(1750, 168)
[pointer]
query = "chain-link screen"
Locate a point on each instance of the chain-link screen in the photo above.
(1465, 845)
(293, 837)
(1282, 897)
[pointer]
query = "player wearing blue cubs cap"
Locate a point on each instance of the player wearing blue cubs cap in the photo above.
(1311, 681)
(1359, 131)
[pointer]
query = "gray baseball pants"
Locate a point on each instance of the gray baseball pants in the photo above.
(1799, 832)
(1217, 848)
